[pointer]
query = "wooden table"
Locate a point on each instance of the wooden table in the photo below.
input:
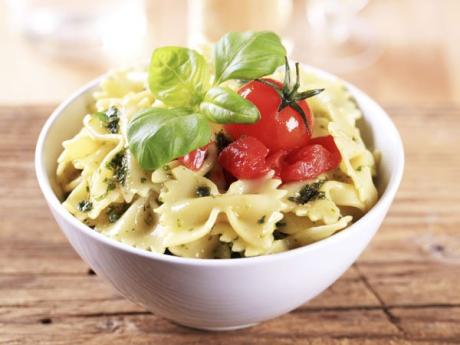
(405, 288)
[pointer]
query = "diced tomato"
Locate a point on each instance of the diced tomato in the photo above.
(245, 158)
(321, 155)
(194, 160)
(328, 143)
(276, 161)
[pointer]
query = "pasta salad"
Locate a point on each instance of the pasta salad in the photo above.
(240, 155)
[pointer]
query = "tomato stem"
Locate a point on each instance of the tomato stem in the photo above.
(290, 95)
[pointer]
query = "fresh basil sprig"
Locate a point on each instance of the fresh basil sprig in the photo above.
(180, 78)
(223, 105)
(156, 135)
(247, 55)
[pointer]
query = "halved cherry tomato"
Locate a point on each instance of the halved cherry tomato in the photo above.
(194, 160)
(277, 130)
(245, 158)
(321, 155)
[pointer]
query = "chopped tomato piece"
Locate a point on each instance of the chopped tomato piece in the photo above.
(276, 161)
(194, 160)
(321, 155)
(245, 158)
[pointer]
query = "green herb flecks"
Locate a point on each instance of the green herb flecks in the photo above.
(261, 220)
(110, 118)
(85, 206)
(278, 235)
(236, 255)
(309, 192)
(148, 218)
(119, 165)
(280, 224)
(111, 185)
(222, 141)
(202, 191)
(115, 212)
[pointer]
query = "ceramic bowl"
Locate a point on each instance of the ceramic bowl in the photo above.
(230, 293)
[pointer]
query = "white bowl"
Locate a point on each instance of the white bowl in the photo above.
(230, 293)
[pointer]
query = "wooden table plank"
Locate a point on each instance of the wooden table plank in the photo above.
(404, 289)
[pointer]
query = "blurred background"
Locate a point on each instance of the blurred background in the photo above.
(399, 51)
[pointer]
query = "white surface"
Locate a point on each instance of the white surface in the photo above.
(220, 294)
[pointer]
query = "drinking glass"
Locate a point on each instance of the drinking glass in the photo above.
(211, 19)
(338, 40)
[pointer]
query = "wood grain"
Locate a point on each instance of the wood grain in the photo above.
(405, 288)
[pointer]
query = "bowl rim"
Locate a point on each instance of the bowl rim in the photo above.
(396, 173)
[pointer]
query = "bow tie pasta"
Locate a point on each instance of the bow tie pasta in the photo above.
(251, 209)
(204, 212)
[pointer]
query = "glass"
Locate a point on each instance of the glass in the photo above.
(93, 31)
(340, 40)
(211, 19)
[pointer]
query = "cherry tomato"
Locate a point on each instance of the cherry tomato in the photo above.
(277, 130)
(194, 160)
(321, 155)
(245, 158)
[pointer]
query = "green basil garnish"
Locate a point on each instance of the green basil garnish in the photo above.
(179, 77)
(110, 118)
(247, 55)
(157, 136)
(223, 105)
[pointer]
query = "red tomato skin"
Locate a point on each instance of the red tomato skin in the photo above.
(320, 156)
(329, 144)
(313, 163)
(276, 161)
(245, 158)
(194, 160)
(277, 130)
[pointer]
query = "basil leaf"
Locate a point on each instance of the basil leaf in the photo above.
(247, 55)
(156, 136)
(179, 77)
(223, 105)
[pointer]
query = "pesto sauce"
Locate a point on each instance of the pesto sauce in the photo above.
(222, 141)
(202, 191)
(110, 118)
(115, 212)
(278, 235)
(309, 192)
(85, 206)
(261, 220)
(119, 165)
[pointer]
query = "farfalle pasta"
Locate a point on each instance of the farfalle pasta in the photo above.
(243, 189)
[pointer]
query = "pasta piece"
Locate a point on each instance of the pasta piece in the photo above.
(336, 110)
(119, 83)
(207, 247)
(319, 209)
(135, 226)
(251, 208)
(357, 163)
(237, 244)
(315, 233)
